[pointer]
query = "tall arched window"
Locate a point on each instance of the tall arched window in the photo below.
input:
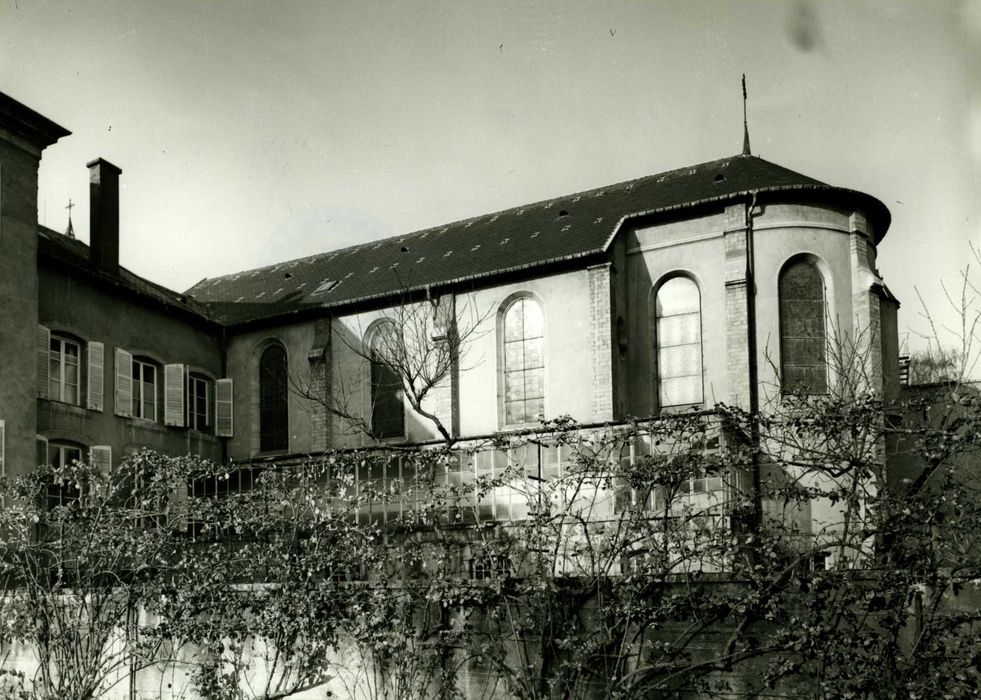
(803, 362)
(524, 361)
(678, 334)
(273, 400)
(387, 408)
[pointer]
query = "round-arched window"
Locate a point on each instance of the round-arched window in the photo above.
(273, 400)
(678, 334)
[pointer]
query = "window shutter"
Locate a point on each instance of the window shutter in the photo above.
(95, 389)
(41, 450)
(175, 384)
(223, 408)
(101, 456)
(124, 383)
(43, 347)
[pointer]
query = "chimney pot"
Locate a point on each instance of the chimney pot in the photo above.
(104, 216)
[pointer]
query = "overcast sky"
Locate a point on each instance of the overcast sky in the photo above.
(253, 132)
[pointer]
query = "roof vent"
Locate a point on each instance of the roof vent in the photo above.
(563, 214)
(288, 276)
(404, 249)
(325, 286)
(720, 178)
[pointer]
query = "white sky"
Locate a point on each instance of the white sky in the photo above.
(253, 132)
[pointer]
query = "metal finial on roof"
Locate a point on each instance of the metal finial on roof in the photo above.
(70, 231)
(746, 151)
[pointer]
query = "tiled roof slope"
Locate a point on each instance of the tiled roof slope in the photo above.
(75, 254)
(534, 235)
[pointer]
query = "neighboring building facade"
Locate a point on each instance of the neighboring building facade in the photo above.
(719, 282)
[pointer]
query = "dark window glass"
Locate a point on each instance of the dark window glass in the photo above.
(273, 400)
(63, 361)
(144, 390)
(62, 493)
(803, 343)
(387, 408)
(198, 404)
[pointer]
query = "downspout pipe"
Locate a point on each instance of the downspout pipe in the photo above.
(754, 392)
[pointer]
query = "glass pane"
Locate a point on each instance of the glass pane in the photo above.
(514, 321)
(513, 356)
(71, 352)
(678, 295)
(681, 390)
(514, 386)
(801, 281)
(803, 351)
(71, 374)
(803, 318)
(534, 322)
(813, 379)
(681, 360)
(71, 394)
(677, 330)
(535, 384)
(534, 353)
(534, 409)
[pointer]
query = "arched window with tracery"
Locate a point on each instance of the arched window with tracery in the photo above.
(387, 407)
(803, 336)
(678, 334)
(524, 361)
(273, 400)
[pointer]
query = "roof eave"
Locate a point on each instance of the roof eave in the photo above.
(400, 294)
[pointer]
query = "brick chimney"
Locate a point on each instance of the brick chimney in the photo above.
(104, 216)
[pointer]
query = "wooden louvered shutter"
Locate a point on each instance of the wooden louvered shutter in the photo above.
(96, 382)
(43, 348)
(101, 456)
(177, 507)
(41, 450)
(175, 386)
(124, 383)
(223, 408)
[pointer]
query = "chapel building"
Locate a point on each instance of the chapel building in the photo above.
(724, 281)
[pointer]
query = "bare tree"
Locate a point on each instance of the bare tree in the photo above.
(411, 353)
(953, 349)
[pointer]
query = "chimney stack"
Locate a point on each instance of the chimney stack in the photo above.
(104, 216)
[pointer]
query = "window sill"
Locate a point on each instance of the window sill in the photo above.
(68, 409)
(270, 453)
(392, 440)
(148, 425)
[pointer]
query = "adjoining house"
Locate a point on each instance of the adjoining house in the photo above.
(719, 282)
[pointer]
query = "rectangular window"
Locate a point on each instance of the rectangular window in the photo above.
(62, 493)
(144, 390)
(199, 404)
(63, 370)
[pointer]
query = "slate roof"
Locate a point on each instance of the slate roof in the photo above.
(74, 254)
(535, 235)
